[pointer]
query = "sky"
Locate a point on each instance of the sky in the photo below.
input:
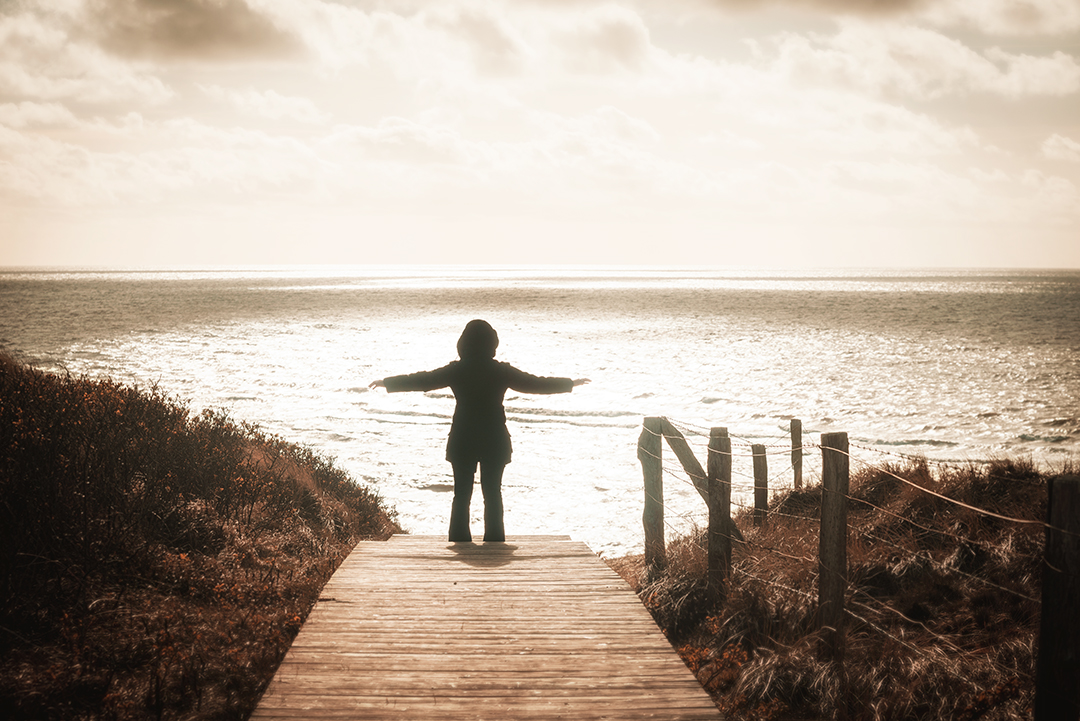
(704, 133)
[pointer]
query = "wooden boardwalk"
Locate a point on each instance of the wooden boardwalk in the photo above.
(536, 628)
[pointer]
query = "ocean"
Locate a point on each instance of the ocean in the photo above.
(957, 366)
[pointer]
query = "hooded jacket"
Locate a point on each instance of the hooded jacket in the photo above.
(478, 431)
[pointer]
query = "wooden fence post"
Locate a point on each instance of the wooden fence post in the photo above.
(1057, 674)
(832, 561)
(761, 484)
(796, 451)
(677, 442)
(719, 471)
(650, 448)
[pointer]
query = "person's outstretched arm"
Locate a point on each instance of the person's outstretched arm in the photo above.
(422, 381)
(523, 382)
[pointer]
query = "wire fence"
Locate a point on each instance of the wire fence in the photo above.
(910, 522)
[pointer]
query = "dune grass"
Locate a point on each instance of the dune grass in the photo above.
(943, 602)
(155, 563)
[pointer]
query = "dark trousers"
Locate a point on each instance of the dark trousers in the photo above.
(491, 484)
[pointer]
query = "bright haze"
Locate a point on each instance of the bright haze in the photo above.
(155, 133)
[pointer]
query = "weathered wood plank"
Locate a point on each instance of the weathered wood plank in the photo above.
(595, 667)
(329, 678)
(536, 628)
(518, 712)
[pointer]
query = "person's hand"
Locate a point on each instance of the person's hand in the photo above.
(581, 382)
(376, 384)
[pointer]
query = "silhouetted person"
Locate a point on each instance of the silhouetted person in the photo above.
(478, 433)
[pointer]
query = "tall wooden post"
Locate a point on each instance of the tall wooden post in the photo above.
(719, 472)
(796, 451)
(761, 484)
(650, 448)
(1057, 674)
(832, 563)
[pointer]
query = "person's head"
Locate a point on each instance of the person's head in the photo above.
(478, 341)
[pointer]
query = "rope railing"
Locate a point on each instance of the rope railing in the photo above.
(835, 595)
(981, 511)
(955, 466)
(698, 430)
(751, 543)
(688, 432)
(943, 497)
(672, 471)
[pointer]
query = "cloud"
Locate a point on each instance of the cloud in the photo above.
(1057, 198)
(565, 161)
(868, 127)
(574, 161)
(921, 63)
(402, 42)
(861, 7)
(994, 17)
(1056, 74)
(1007, 17)
(39, 168)
(586, 113)
(269, 104)
(200, 29)
(40, 59)
(726, 139)
(603, 169)
(180, 161)
(609, 38)
(26, 113)
(784, 109)
(496, 46)
(449, 41)
(1058, 147)
(403, 141)
(605, 123)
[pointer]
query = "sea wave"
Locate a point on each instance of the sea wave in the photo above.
(569, 421)
(556, 413)
(1031, 438)
(1073, 424)
(931, 442)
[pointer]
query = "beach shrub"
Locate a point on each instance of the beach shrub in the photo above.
(154, 562)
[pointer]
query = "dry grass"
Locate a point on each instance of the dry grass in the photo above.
(155, 563)
(943, 616)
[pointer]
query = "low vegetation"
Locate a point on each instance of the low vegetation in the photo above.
(155, 563)
(943, 602)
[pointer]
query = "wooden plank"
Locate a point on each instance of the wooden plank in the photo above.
(330, 677)
(595, 666)
(517, 712)
(470, 705)
(536, 628)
